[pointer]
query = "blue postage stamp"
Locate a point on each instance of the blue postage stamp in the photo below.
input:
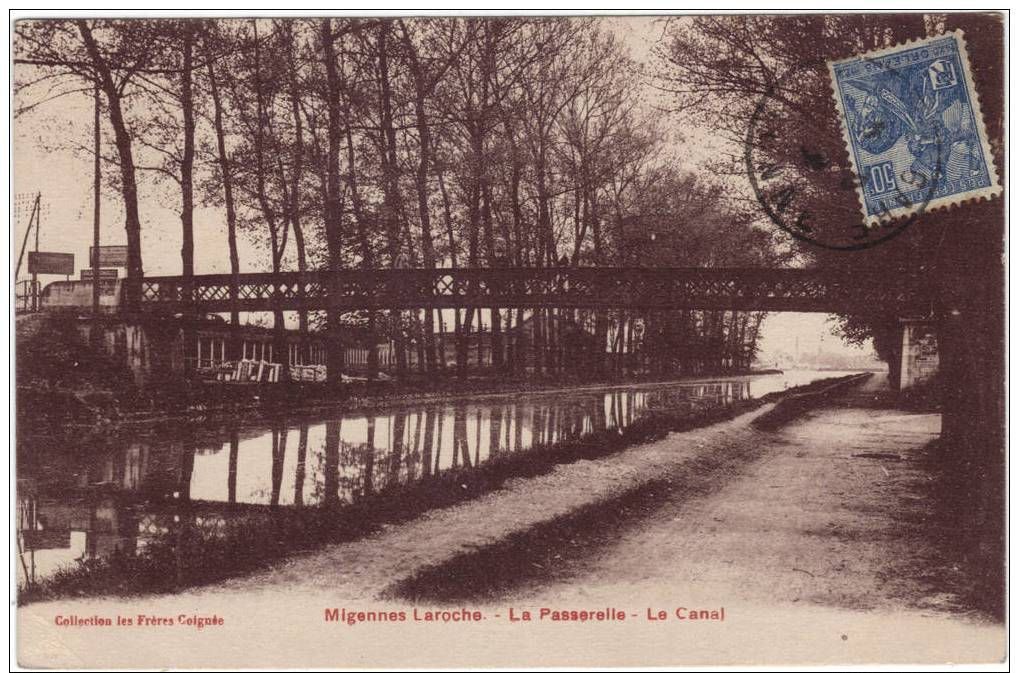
(912, 124)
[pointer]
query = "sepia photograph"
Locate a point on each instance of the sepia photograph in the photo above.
(436, 340)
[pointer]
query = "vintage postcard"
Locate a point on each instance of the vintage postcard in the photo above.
(508, 341)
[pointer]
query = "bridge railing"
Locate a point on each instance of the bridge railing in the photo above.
(26, 296)
(582, 287)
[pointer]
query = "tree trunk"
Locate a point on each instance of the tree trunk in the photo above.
(421, 87)
(297, 172)
(333, 216)
(187, 251)
(278, 242)
(391, 205)
(231, 210)
(122, 138)
(187, 212)
(367, 253)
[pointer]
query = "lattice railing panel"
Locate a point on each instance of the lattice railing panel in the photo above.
(764, 289)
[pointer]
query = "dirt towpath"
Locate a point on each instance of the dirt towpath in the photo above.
(806, 536)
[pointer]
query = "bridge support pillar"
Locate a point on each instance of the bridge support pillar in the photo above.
(919, 352)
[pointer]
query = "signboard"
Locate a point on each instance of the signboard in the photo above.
(59, 263)
(104, 274)
(110, 255)
(37, 540)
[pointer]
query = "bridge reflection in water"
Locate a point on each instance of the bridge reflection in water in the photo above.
(77, 504)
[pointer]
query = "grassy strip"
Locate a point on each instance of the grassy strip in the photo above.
(548, 552)
(562, 547)
(797, 404)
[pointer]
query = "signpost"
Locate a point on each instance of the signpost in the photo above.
(104, 274)
(58, 263)
(110, 255)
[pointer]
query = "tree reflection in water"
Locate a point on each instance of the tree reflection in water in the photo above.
(180, 492)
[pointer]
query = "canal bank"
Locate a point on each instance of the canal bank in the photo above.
(155, 510)
(64, 381)
(91, 409)
(811, 537)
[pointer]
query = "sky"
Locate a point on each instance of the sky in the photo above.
(47, 158)
(808, 333)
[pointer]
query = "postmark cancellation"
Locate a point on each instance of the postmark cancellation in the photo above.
(912, 125)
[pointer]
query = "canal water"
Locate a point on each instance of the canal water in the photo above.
(81, 502)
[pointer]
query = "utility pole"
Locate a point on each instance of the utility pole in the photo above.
(24, 244)
(35, 275)
(97, 177)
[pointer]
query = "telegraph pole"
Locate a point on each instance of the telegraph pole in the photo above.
(30, 300)
(24, 242)
(97, 168)
(35, 275)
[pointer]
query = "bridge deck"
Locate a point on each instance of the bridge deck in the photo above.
(584, 287)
